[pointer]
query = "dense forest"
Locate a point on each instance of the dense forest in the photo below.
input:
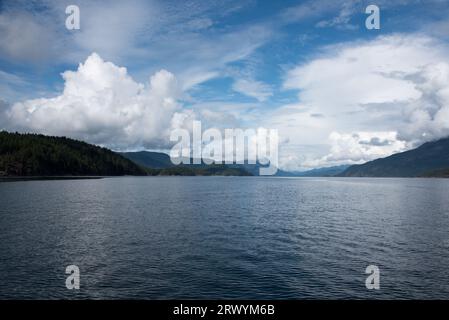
(31, 155)
(39, 155)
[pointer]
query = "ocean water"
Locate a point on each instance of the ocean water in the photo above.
(225, 238)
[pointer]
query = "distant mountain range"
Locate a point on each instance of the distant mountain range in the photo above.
(35, 155)
(158, 160)
(39, 155)
(319, 172)
(160, 163)
(154, 160)
(429, 160)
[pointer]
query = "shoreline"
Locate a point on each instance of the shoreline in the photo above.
(32, 178)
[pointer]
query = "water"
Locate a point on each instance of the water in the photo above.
(225, 237)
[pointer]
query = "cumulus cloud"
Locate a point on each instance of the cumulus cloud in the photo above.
(102, 104)
(427, 118)
(392, 84)
(359, 147)
(349, 76)
(178, 35)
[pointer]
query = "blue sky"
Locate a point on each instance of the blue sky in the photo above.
(337, 92)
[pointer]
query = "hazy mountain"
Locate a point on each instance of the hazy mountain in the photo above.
(430, 159)
(322, 172)
(206, 170)
(155, 160)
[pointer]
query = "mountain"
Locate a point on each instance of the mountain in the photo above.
(431, 159)
(322, 172)
(39, 155)
(155, 160)
(31, 155)
(209, 170)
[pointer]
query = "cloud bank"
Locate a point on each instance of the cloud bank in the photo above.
(102, 104)
(393, 88)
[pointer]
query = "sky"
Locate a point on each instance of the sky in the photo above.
(337, 92)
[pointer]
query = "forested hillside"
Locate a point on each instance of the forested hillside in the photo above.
(429, 160)
(39, 155)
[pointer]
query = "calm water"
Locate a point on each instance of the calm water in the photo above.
(225, 237)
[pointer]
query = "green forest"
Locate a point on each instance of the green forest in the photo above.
(32, 155)
(39, 155)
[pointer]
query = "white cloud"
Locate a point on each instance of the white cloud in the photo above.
(102, 104)
(199, 24)
(349, 76)
(179, 36)
(427, 118)
(227, 114)
(252, 88)
(308, 10)
(112, 29)
(3, 108)
(358, 147)
(392, 84)
(342, 21)
(24, 38)
(10, 85)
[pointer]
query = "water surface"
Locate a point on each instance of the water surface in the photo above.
(225, 237)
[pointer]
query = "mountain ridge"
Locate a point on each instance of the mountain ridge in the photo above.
(36, 155)
(431, 159)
